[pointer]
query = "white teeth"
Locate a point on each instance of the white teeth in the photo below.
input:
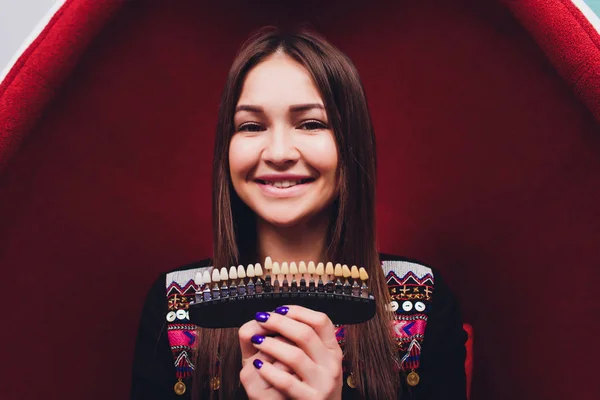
(224, 275)
(241, 272)
(320, 269)
(206, 277)
(233, 273)
(250, 271)
(302, 267)
(338, 270)
(329, 268)
(216, 277)
(283, 184)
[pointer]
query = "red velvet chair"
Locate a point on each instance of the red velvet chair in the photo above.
(469, 358)
(487, 121)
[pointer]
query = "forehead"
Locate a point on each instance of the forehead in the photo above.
(279, 80)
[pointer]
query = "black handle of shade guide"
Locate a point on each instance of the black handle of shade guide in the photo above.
(233, 312)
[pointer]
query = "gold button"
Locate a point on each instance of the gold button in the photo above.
(413, 378)
(215, 383)
(350, 381)
(179, 388)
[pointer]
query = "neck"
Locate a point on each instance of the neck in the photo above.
(298, 243)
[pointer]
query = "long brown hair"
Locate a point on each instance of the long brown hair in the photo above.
(369, 346)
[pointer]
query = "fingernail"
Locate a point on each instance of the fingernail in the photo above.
(282, 310)
(257, 339)
(262, 316)
(257, 363)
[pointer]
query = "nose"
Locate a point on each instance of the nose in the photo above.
(280, 148)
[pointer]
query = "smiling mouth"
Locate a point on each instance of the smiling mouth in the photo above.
(285, 184)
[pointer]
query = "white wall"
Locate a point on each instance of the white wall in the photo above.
(18, 19)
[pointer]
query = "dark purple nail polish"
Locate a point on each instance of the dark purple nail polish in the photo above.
(282, 310)
(257, 339)
(262, 316)
(257, 363)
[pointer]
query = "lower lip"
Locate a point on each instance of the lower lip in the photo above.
(293, 191)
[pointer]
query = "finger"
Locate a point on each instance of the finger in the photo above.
(319, 321)
(256, 386)
(245, 333)
(275, 362)
(283, 382)
(303, 335)
(267, 357)
(292, 356)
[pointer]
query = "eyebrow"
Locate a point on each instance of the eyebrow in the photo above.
(295, 108)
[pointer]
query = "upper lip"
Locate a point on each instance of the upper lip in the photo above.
(282, 177)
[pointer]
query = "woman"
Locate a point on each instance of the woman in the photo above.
(293, 179)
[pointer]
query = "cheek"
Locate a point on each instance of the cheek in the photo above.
(241, 159)
(322, 155)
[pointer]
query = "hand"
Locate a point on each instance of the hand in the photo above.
(256, 384)
(310, 353)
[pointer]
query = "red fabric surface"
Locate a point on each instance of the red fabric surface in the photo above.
(489, 169)
(469, 358)
(569, 41)
(42, 68)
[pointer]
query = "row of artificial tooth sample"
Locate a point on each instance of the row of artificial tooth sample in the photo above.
(232, 283)
(292, 277)
(319, 277)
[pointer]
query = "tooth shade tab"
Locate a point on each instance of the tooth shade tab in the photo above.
(293, 268)
(206, 277)
(363, 274)
(329, 268)
(302, 267)
(346, 271)
(338, 270)
(224, 275)
(311, 267)
(354, 272)
(276, 270)
(241, 272)
(268, 263)
(216, 277)
(250, 271)
(233, 273)
(320, 269)
(198, 279)
(284, 268)
(258, 270)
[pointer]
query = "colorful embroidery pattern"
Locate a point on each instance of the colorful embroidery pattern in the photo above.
(181, 289)
(411, 288)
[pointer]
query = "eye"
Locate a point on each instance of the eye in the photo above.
(250, 127)
(407, 306)
(312, 125)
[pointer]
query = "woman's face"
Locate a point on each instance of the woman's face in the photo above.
(283, 157)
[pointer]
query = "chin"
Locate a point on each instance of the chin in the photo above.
(283, 220)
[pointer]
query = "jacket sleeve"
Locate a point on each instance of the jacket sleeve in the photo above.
(443, 354)
(153, 374)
